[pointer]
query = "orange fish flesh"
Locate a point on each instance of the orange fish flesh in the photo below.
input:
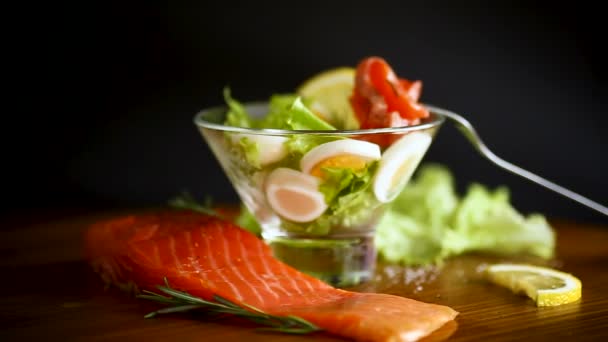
(205, 256)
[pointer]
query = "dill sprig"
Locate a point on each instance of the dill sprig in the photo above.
(179, 301)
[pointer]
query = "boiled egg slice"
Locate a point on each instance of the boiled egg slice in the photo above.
(294, 195)
(345, 153)
(272, 148)
(398, 163)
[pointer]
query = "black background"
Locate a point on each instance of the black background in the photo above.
(107, 90)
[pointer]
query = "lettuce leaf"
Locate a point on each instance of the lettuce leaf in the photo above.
(246, 220)
(486, 222)
(430, 199)
(287, 111)
(251, 151)
(404, 240)
(356, 207)
(411, 231)
(336, 180)
(300, 144)
(237, 115)
(344, 181)
(428, 222)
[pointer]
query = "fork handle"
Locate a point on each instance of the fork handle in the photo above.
(469, 132)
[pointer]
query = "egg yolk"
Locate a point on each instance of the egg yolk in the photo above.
(344, 161)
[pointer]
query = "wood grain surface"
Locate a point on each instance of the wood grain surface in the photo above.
(49, 292)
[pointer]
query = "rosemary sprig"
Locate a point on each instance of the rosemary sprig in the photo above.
(179, 301)
(187, 201)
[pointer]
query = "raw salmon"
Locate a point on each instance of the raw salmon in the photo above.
(204, 255)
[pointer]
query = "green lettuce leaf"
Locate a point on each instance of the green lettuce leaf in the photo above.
(428, 222)
(287, 111)
(336, 180)
(430, 198)
(405, 240)
(486, 222)
(356, 207)
(237, 115)
(246, 220)
(300, 144)
(251, 151)
(344, 181)
(411, 231)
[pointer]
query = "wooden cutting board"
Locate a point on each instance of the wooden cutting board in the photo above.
(49, 292)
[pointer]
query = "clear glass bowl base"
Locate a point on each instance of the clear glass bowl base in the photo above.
(341, 262)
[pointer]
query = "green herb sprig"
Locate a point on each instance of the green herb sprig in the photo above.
(187, 201)
(179, 301)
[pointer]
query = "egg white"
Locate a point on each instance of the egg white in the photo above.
(363, 149)
(289, 192)
(407, 152)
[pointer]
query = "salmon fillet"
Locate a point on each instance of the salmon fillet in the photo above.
(206, 256)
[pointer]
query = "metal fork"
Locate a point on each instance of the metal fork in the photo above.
(469, 132)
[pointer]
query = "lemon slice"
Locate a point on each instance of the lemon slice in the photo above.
(546, 286)
(329, 93)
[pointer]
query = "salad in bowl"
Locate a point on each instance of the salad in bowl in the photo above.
(317, 168)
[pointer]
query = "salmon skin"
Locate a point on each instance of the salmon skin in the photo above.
(205, 256)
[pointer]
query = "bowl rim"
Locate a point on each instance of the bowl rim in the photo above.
(436, 120)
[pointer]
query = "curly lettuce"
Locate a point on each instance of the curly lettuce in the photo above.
(285, 111)
(429, 222)
(236, 115)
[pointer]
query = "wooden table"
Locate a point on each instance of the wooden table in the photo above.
(49, 292)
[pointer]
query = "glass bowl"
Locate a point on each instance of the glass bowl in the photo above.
(318, 195)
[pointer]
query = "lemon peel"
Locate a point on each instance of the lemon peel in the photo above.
(546, 286)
